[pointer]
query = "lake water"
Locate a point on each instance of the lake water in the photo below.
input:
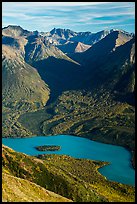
(119, 170)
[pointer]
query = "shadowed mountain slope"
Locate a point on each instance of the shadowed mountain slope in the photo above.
(73, 47)
(108, 62)
(99, 51)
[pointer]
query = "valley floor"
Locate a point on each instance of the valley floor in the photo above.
(100, 118)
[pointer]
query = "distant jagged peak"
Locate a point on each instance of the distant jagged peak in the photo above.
(71, 47)
(121, 37)
(62, 30)
(122, 31)
(63, 33)
(14, 27)
(14, 31)
(103, 48)
(114, 39)
(90, 38)
(81, 47)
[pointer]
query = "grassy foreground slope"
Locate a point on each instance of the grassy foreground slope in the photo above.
(20, 190)
(75, 179)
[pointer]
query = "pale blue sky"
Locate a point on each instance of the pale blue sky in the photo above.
(77, 16)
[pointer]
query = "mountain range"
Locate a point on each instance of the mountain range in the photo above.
(36, 70)
(67, 82)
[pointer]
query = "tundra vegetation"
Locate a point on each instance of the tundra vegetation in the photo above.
(75, 179)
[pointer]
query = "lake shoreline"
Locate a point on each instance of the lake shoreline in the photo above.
(126, 147)
(80, 147)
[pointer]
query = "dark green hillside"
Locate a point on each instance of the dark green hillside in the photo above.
(21, 82)
(96, 117)
(22, 90)
(76, 179)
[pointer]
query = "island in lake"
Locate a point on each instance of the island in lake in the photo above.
(48, 148)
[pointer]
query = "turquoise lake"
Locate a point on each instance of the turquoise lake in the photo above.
(119, 170)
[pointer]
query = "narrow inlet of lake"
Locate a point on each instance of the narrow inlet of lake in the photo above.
(119, 170)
